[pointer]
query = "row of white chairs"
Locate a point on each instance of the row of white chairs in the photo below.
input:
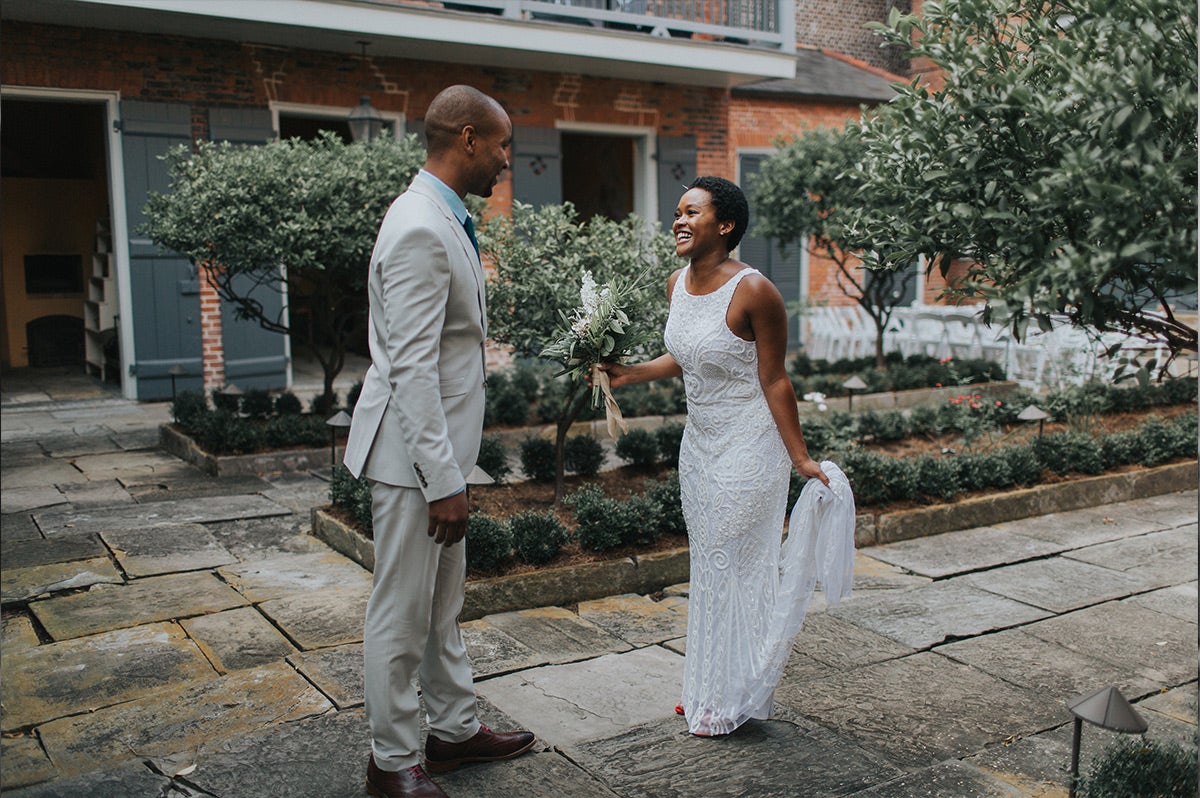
(1063, 356)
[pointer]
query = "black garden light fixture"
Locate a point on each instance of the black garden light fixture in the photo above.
(854, 383)
(337, 421)
(1105, 708)
(1034, 413)
(175, 371)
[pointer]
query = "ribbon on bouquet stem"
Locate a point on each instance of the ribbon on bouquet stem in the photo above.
(612, 410)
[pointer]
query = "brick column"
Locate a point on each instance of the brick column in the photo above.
(212, 345)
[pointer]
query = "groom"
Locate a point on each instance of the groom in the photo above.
(415, 436)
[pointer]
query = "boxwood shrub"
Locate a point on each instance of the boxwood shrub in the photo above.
(537, 459)
(638, 447)
(493, 458)
(489, 543)
(537, 537)
(583, 455)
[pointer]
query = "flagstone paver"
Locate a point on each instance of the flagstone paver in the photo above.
(771, 759)
(562, 705)
(1178, 601)
(166, 549)
(118, 463)
(1138, 641)
(286, 574)
(87, 673)
(129, 780)
(1087, 527)
(1059, 584)
(100, 493)
(844, 645)
(1169, 509)
(322, 618)
(17, 526)
(337, 672)
(310, 758)
(973, 549)
(182, 720)
(947, 779)
(1156, 559)
(190, 484)
(22, 584)
(18, 633)
(158, 598)
(261, 538)
(40, 551)
(24, 761)
(14, 499)
(559, 635)
(183, 511)
(1043, 666)
(1179, 703)
(238, 638)
(41, 475)
(925, 616)
(919, 709)
(635, 619)
(493, 650)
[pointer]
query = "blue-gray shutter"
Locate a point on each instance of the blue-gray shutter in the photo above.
(164, 287)
(254, 357)
(537, 166)
(676, 170)
(781, 266)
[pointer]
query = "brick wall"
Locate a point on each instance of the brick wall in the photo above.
(208, 74)
(212, 344)
(838, 25)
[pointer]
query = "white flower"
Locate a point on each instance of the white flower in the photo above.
(814, 396)
(588, 296)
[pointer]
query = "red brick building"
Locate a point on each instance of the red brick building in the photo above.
(615, 104)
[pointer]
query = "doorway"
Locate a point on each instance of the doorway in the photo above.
(58, 298)
(598, 174)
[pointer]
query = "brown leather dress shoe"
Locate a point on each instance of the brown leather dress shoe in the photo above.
(486, 746)
(408, 783)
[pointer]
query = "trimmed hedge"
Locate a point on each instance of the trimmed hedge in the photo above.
(537, 537)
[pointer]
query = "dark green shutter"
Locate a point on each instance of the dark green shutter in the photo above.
(164, 288)
(781, 266)
(676, 170)
(537, 166)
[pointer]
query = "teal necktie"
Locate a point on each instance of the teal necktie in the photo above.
(470, 228)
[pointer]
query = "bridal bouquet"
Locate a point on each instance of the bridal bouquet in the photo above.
(598, 331)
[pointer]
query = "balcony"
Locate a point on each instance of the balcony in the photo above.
(754, 23)
(722, 43)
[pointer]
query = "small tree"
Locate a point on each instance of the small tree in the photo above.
(300, 214)
(539, 257)
(805, 191)
(1058, 160)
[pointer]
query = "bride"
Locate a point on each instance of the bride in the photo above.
(727, 336)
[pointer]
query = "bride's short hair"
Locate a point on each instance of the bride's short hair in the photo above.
(730, 203)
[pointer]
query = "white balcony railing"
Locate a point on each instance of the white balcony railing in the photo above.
(767, 24)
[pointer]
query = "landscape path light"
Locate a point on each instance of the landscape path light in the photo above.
(1106, 708)
(1034, 413)
(234, 393)
(855, 383)
(175, 371)
(337, 421)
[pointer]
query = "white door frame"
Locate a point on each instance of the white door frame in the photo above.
(118, 223)
(645, 148)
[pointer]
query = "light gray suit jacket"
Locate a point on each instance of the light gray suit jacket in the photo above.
(419, 417)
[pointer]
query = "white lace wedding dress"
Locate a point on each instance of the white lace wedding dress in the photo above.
(748, 594)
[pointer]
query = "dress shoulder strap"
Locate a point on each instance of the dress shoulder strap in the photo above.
(732, 283)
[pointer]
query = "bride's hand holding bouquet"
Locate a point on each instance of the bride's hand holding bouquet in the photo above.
(599, 331)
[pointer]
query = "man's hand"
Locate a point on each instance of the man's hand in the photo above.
(448, 519)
